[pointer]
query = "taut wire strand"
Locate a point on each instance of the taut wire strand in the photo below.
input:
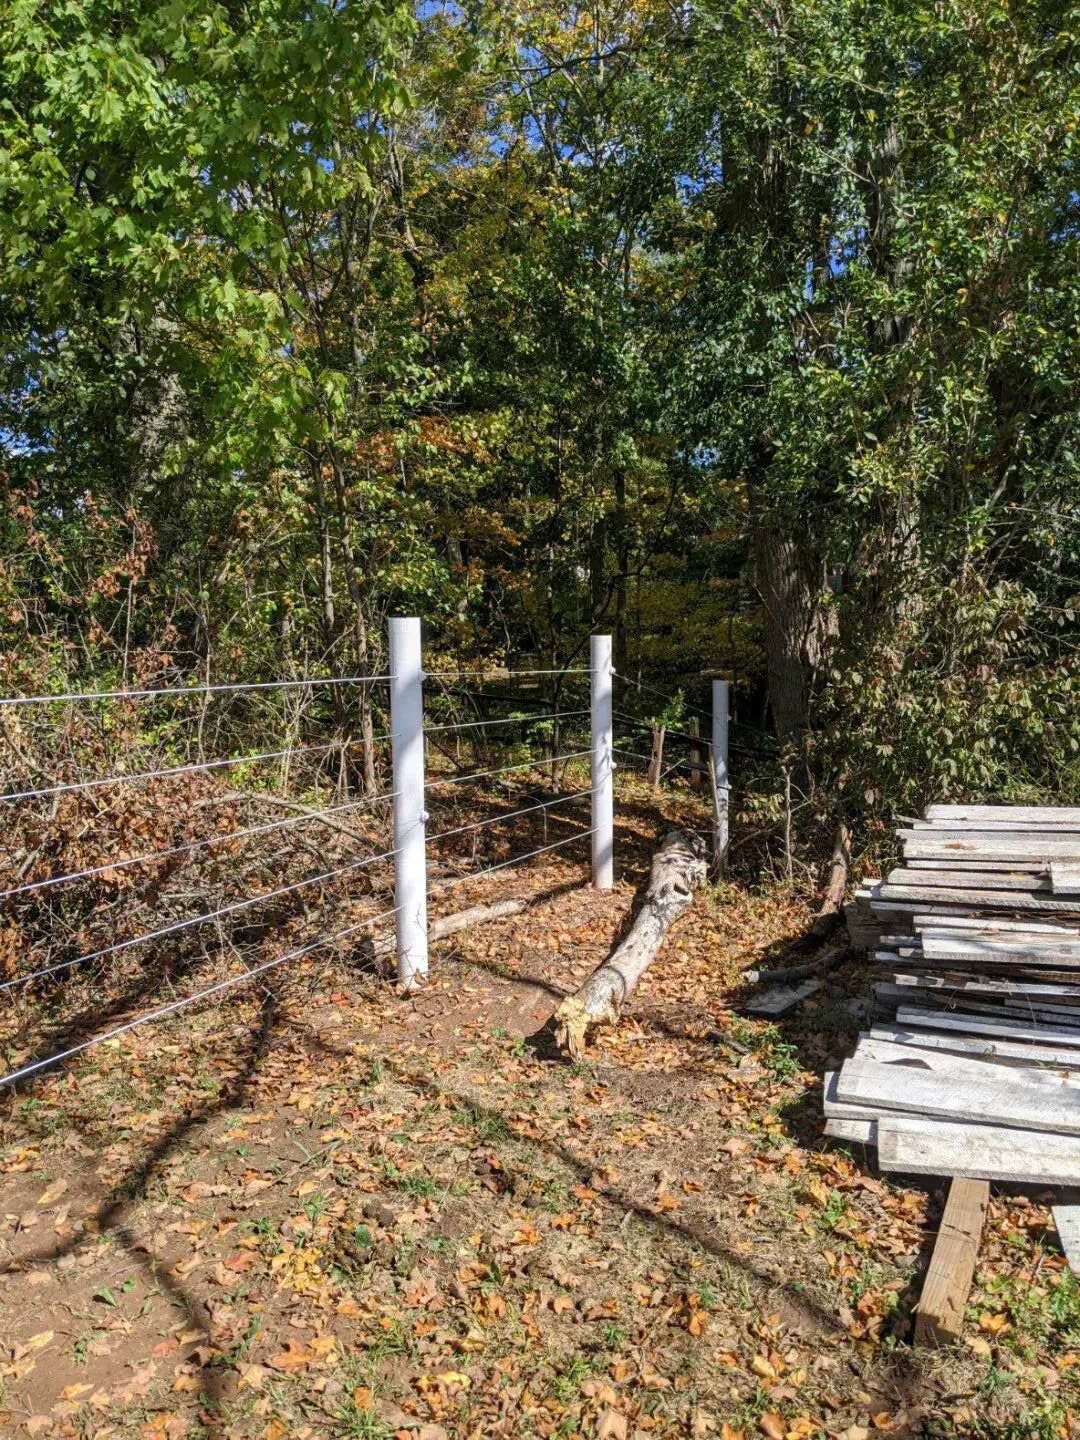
(193, 845)
(175, 690)
(505, 769)
(510, 815)
(514, 860)
(70, 786)
(503, 720)
(191, 920)
(174, 1005)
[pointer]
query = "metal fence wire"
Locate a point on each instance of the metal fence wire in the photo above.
(412, 788)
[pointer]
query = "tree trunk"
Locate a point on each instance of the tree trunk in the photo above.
(678, 868)
(326, 585)
(356, 599)
(656, 760)
(838, 871)
(622, 565)
(796, 626)
(697, 755)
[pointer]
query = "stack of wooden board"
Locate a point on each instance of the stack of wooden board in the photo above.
(974, 1066)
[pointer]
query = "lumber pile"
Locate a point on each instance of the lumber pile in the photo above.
(972, 1067)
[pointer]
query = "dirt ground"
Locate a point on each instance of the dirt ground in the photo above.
(321, 1209)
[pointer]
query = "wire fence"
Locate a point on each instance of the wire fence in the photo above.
(29, 899)
(232, 687)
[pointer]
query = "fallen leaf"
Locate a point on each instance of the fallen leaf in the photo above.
(294, 1357)
(611, 1425)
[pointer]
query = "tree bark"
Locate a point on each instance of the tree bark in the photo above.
(796, 626)
(678, 868)
(622, 568)
(360, 630)
(656, 760)
(838, 871)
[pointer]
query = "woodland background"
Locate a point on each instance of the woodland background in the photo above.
(748, 332)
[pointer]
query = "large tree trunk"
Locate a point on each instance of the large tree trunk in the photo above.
(678, 868)
(797, 625)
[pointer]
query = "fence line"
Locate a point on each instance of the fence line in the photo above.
(503, 720)
(620, 715)
(26, 1070)
(71, 786)
(505, 864)
(171, 691)
(505, 769)
(497, 674)
(663, 694)
(193, 845)
(408, 797)
(187, 923)
(508, 815)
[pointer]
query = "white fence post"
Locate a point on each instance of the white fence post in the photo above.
(603, 801)
(721, 786)
(410, 817)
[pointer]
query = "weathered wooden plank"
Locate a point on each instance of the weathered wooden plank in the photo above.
(958, 967)
(998, 1100)
(942, 941)
(1037, 965)
(834, 1108)
(936, 946)
(953, 878)
(982, 1007)
(961, 984)
(982, 827)
(989, 845)
(984, 899)
(894, 911)
(932, 920)
(1008, 814)
(983, 1025)
(1067, 1220)
(959, 1068)
(862, 1132)
(1064, 879)
(779, 999)
(1019, 1009)
(969, 866)
(1003, 1051)
(940, 1313)
(978, 1152)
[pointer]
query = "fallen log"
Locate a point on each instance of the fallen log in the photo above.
(678, 868)
(448, 925)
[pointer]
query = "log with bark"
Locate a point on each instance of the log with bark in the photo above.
(679, 866)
